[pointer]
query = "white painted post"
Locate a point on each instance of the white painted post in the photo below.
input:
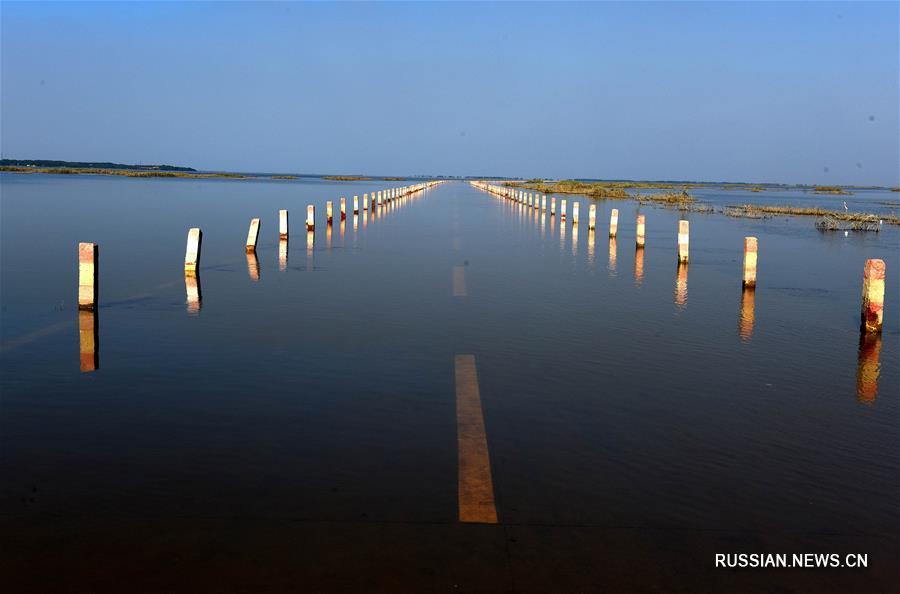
(683, 240)
(283, 224)
(252, 235)
(192, 252)
(88, 258)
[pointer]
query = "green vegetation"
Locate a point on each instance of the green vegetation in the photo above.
(595, 189)
(570, 186)
(284, 177)
(607, 190)
(830, 190)
(345, 177)
(829, 223)
(758, 211)
(393, 178)
(600, 187)
(652, 185)
(122, 172)
(669, 198)
(683, 200)
(742, 187)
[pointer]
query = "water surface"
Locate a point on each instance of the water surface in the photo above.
(295, 426)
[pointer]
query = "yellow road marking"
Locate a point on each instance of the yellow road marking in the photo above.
(476, 487)
(459, 281)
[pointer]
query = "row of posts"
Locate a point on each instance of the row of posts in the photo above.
(88, 253)
(871, 318)
(377, 199)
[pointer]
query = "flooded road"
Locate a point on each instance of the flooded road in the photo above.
(453, 393)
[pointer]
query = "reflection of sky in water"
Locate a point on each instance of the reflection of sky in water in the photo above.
(628, 398)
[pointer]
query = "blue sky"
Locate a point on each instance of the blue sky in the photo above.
(783, 92)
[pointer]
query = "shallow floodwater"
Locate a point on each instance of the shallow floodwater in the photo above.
(881, 201)
(290, 422)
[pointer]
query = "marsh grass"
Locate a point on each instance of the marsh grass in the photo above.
(759, 211)
(830, 190)
(571, 186)
(614, 190)
(669, 198)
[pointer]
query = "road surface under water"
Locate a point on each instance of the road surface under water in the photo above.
(458, 393)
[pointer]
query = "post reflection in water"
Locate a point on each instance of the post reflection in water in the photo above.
(681, 287)
(253, 266)
(282, 254)
(638, 265)
(868, 366)
(562, 235)
(328, 232)
(612, 256)
(89, 339)
(355, 222)
(194, 295)
(343, 228)
(748, 314)
(310, 243)
(574, 240)
(590, 248)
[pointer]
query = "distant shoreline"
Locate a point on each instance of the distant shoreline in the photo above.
(168, 171)
(361, 178)
(591, 187)
(48, 163)
(678, 195)
(120, 172)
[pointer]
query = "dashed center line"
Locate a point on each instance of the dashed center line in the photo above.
(459, 281)
(476, 487)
